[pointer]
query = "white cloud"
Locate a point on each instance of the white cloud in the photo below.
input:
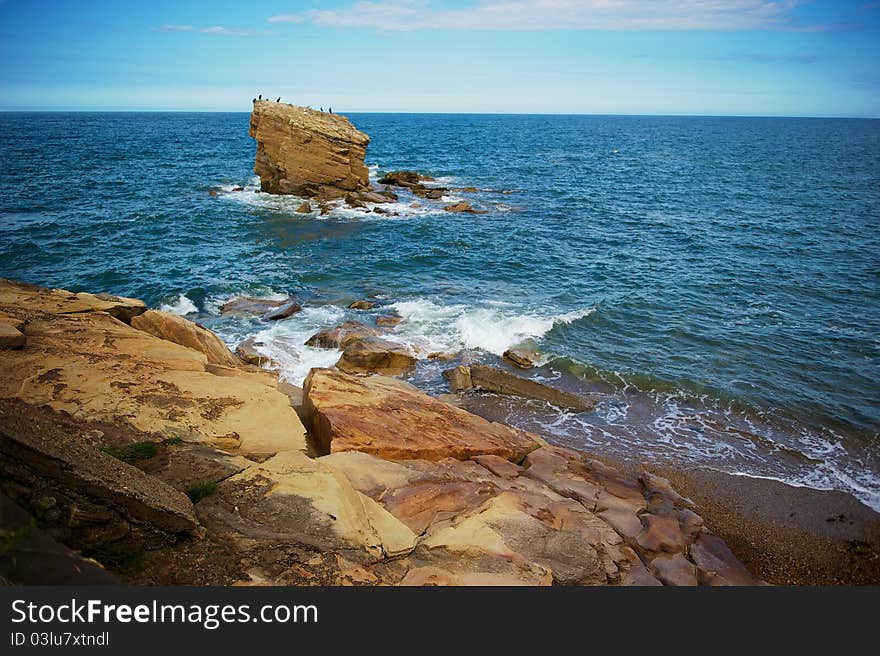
(556, 14)
(214, 29)
(287, 18)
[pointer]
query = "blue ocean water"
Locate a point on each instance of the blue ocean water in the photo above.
(713, 280)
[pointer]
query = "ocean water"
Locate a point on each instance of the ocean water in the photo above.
(713, 281)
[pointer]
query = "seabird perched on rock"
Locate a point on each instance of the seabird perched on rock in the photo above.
(260, 97)
(331, 110)
(322, 109)
(254, 100)
(279, 99)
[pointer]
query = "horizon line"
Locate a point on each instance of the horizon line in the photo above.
(446, 113)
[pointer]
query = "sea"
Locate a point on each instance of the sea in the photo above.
(712, 282)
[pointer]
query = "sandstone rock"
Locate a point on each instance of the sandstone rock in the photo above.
(99, 369)
(463, 207)
(520, 357)
(459, 378)
(250, 306)
(307, 153)
(404, 178)
(555, 535)
(499, 466)
(456, 569)
(388, 320)
(660, 534)
(304, 208)
(674, 570)
(174, 328)
(81, 471)
(341, 336)
(185, 465)
(10, 337)
(248, 352)
(493, 379)
(370, 196)
(362, 305)
(352, 200)
(393, 420)
(375, 355)
(31, 300)
(562, 471)
(716, 564)
(292, 499)
(431, 193)
(474, 519)
(10, 320)
(437, 355)
(288, 308)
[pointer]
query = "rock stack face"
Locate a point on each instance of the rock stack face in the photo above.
(309, 153)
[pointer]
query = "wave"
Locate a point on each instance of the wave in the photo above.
(493, 328)
(182, 305)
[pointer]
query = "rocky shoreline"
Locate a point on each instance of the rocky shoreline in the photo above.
(133, 439)
(138, 448)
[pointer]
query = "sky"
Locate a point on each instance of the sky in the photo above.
(703, 57)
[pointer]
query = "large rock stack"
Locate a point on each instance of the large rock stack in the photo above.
(305, 152)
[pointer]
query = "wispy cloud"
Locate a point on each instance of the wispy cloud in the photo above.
(558, 14)
(287, 18)
(214, 29)
(773, 58)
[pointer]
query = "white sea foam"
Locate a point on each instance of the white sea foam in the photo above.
(493, 328)
(182, 305)
(284, 342)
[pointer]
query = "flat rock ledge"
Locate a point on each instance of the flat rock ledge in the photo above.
(132, 448)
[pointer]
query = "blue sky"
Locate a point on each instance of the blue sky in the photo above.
(738, 57)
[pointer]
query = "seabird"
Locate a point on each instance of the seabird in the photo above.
(331, 110)
(260, 97)
(279, 99)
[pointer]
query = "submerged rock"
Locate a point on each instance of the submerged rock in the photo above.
(249, 306)
(493, 379)
(388, 320)
(288, 308)
(404, 178)
(361, 305)
(307, 153)
(463, 207)
(304, 208)
(268, 309)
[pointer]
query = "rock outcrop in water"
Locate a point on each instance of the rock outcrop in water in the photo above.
(305, 152)
(133, 446)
